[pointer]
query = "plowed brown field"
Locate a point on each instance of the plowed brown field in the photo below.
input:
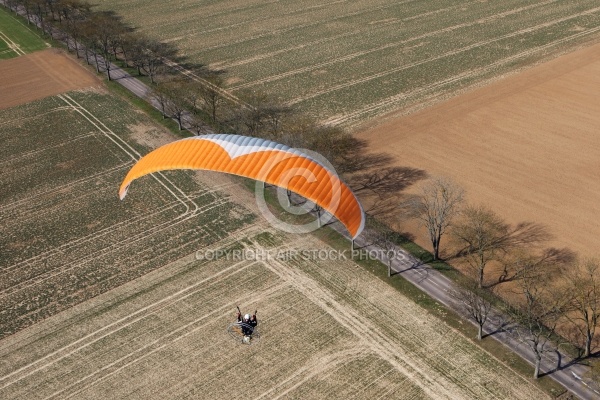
(528, 146)
(40, 74)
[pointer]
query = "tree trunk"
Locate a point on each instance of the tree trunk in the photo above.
(588, 345)
(480, 278)
(389, 268)
(480, 332)
(536, 372)
(96, 59)
(436, 249)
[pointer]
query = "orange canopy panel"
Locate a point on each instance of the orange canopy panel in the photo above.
(258, 159)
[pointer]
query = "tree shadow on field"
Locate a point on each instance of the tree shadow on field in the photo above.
(379, 184)
(502, 325)
(194, 68)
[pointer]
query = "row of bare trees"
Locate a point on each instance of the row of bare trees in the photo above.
(553, 293)
(100, 33)
(196, 101)
(554, 289)
(200, 100)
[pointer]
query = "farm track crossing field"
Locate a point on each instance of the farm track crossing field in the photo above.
(64, 234)
(328, 330)
(105, 299)
(347, 62)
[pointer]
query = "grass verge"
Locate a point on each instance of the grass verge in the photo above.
(17, 30)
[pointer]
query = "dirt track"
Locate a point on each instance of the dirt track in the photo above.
(40, 74)
(528, 146)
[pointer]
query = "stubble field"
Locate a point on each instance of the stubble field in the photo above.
(65, 237)
(346, 62)
(328, 330)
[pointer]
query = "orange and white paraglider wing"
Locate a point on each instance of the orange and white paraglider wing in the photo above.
(258, 159)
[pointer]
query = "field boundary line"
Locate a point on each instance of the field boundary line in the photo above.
(164, 338)
(391, 101)
(134, 154)
(302, 26)
(118, 324)
(230, 64)
(439, 57)
(50, 273)
(388, 46)
(12, 45)
(298, 10)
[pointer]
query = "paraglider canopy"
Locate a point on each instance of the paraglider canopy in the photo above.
(262, 160)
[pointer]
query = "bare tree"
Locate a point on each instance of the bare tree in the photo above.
(480, 236)
(38, 10)
(583, 280)
(161, 97)
(386, 241)
(12, 4)
(435, 208)
(107, 32)
(474, 304)
(523, 260)
(27, 6)
(175, 107)
(72, 9)
(538, 313)
(210, 97)
(275, 115)
(73, 27)
(196, 124)
(152, 55)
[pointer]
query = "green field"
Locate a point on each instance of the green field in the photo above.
(347, 62)
(16, 38)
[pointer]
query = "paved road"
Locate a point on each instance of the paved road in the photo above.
(570, 374)
(432, 282)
